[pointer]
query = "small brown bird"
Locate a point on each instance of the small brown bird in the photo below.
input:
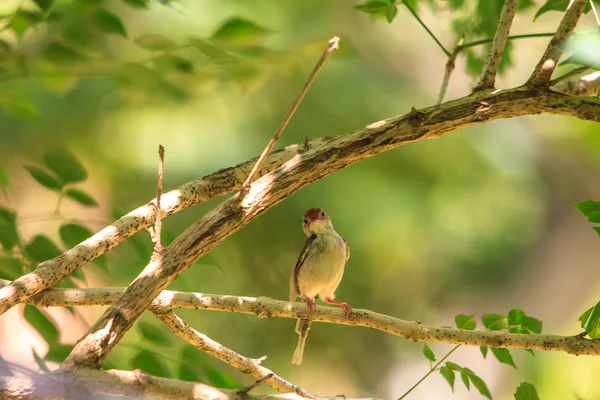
(319, 269)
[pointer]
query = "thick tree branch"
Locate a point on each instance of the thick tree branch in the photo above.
(246, 365)
(492, 61)
(83, 382)
(543, 71)
(316, 163)
(264, 307)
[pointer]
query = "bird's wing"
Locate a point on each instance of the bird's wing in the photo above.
(347, 249)
(294, 288)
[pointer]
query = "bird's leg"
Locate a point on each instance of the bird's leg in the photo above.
(310, 304)
(345, 306)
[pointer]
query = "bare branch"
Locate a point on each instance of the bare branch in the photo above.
(264, 307)
(247, 389)
(83, 382)
(248, 366)
(450, 65)
(332, 46)
(543, 71)
(156, 234)
(587, 85)
(568, 75)
(337, 153)
(492, 61)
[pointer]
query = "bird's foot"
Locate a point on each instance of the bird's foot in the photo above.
(345, 306)
(310, 304)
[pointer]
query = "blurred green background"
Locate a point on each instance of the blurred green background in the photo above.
(477, 222)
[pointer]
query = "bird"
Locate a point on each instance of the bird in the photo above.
(318, 271)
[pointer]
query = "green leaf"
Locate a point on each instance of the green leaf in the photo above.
(526, 391)
(428, 353)
(239, 31)
(219, 379)
(3, 179)
(5, 47)
(23, 20)
(591, 324)
(65, 165)
(464, 376)
(109, 22)
(153, 334)
(58, 352)
(494, 322)
(41, 248)
(10, 267)
(167, 62)
(210, 49)
(448, 375)
(44, 178)
(515, 317)
(39, 361)
(390, 13)
(138, 3)
(483, 350)
(453, 366)
(466, 322)
(155, 43)
(503, 355)
(8, 228)
(533, 325)
(373, 7)
(150, 363)
(525, 5)
(190, 363)
(44, 5)
(551, 5)
(597, 229)
(480, 385)
(81, 197)
(584, 48)
(62, 54)
(41, 323)
(73, 234)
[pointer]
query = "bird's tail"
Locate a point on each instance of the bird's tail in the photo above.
(302, 327)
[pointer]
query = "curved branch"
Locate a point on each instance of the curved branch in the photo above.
(333, 155)
(246, 365)
(264, 307)
(84, 382)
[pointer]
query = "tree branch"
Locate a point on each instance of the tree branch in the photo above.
(83, 382)
(333, 155)
(492, 61)
(587, 85)
(264, 307)
(246, 365)
(543, 71)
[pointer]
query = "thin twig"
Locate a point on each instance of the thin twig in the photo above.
(332, 45)
(543, 71)
(248, 366)
(450, 66)
(568, 75)
(429, 373)
(514, 37)
(492, 61)
(158, 221)
(595, 12)
(244, 391)
(435, 39)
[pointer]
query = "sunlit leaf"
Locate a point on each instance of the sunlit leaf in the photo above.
(65, 165)
(109, 22)
(448, 375)
(466, 322)
(149, 362)
(560, 5)
(73, 234)
(41, 323)
(533, 325)
(390, 13)
(504, 356)
(515, 317)
(41, 248)
(428, 353)
(240, 31)
(589, 208)
(8, 228)
(155, 42)
(23, 20)
(526, 391)
(153, 333)
(494, 322)
(44, 178)
(453, 366)
(81, 197)
(591, 324)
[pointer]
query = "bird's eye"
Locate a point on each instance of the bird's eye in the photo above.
(323, 214)
(305, 221)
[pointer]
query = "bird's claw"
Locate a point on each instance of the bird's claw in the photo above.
(347, 309)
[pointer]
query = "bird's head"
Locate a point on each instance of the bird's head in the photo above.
(315, 221)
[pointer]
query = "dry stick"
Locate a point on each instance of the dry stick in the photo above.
(568, 75)
(333, 155)
(450, 66)
(264, 307)
(540, 78)
(246, 365)
(158, 223)
(332, 45)
(83, 382)
(247, 389)
(492, 61)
